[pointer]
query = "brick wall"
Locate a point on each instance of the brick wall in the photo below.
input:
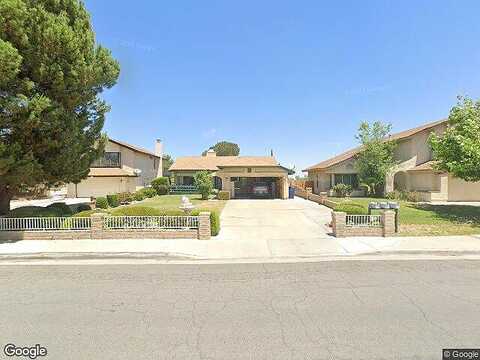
(98, 232)
(340, 229)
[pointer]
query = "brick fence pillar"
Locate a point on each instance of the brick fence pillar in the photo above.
(339, 221)
(204, 226)
(388, 222)
(96, 232)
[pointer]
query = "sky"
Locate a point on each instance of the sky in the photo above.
(297, 77)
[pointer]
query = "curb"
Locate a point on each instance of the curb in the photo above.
(178, 258)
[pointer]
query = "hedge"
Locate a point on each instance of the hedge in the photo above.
(102, 202)
(113, 200)
(223, 195)
(351, 209)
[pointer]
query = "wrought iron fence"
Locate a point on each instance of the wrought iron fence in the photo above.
(45, 223)
(150, 222)
(364, 220)
(183, 189)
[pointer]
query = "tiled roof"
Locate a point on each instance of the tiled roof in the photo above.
(110, 172)
(133, 147)
(214, 163)
(351, 153)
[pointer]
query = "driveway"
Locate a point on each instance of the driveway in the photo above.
(294, 219)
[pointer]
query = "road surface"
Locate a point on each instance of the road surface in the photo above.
(327, 310)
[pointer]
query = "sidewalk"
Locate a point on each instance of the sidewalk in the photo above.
(218, 249)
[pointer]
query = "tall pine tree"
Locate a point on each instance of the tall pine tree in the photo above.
(51, 74)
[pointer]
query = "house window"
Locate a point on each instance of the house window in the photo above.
(347, 179)
(109, 159)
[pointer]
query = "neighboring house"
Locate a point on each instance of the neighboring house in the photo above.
(414, 171)
(236, 174)
(122, 168)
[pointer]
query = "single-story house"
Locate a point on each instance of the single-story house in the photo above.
(122, 168)
(413, 172)
(235, 174)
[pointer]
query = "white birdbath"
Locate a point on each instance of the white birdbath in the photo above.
(186, 205)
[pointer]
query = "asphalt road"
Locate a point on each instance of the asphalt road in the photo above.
(328, 310)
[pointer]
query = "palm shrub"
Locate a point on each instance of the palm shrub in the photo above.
(161, 185)
(204, 183)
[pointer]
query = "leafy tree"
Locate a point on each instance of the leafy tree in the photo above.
(51, 73)
(204, 182)
(224, 148)
(375, 159)
(166, 163)
(457, 151)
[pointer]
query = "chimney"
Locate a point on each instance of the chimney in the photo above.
(211, 153)
(159, 152)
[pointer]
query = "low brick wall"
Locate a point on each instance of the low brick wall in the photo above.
(340, 228)
(98, 232)
(319, 199)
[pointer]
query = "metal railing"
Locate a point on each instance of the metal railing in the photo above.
(364, 220)
(45, 223)
(150, 222)
(183, 189)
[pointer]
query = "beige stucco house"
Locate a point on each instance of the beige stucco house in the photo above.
(235, 174)
(122, 168)
(413, 172)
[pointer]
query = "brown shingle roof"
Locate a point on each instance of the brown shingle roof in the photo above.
(350, 153)
(133, 147)
(110, 172)
(214, 163)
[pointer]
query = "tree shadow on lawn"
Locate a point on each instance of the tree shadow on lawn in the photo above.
(460, 214)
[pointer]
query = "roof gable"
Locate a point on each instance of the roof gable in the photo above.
(215, 163)
(351, 153)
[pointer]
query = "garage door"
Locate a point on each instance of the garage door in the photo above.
(256, 187)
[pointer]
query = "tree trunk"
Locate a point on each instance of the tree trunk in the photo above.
(5, 197)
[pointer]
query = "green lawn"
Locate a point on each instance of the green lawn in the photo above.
(172, 202)
(430, 219)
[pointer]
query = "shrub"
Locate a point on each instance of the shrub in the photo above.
(33, 211)
(102, 202)
(214, 221)
(125, 198)
(139, 196)
(223, 195)
(113, 200)
(136, 210)
(161, 185)
(149, 192)
(413, 196)
(410, 196)
(342, 190)
(392, 195)
(81, 207)
(61, 208)
(204, 183)
(351, 208)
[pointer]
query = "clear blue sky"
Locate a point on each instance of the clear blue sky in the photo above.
(295, 76)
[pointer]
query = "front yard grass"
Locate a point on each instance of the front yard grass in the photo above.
(429, 219)
(172, 203)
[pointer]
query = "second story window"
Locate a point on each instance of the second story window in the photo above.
(108, 160)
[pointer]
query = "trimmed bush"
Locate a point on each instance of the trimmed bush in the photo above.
(113, 200)
(223, 195)
(102, 202)
(351, 208)
(136, 210)
(149, 192)
(125, 198)
(61, 208)
(161, 185)
(81, 207)
(34, 211)
(139, 196)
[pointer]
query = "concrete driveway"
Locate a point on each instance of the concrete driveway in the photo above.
(274, 220)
